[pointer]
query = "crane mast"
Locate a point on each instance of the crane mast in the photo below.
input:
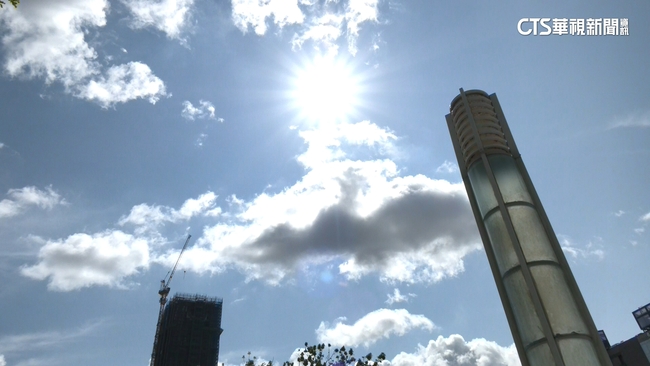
(163, 292)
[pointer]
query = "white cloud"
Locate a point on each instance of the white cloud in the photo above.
(22, 198)
(639, 230)
(372, 327)
(587, 251)
(83, 260)
(49, 42)
(2, 360)
(397, 297)
(204, 110)
(168, 16)
(255, 12)
(325, 30)
(357, 12)
(635, 119)
(201, 139)
(358, 215)
(619, 213)
(447, 167)
(149, 217)
(455, 351)
(123, 83)
(323, 22)
(645, 217)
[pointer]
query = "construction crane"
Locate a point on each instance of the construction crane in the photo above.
(163, 292)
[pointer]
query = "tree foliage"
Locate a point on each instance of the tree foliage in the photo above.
(13, 2)
(315, 356)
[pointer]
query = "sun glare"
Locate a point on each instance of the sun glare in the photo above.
(325, 90)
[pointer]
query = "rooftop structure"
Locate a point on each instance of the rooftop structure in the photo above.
(190, 329)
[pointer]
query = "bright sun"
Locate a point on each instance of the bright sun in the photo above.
(325, 90)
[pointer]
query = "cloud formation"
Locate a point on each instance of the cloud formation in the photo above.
(146, 217)
(122, 83)
(20, 199)
(359, 215)
(589, 250)
(83, 260)
(49, 42)
(382, 323)
(455, 351)
(635, 119)
(168, 16)
(447, 167)
(28, 342)
(397, 297)
(205, 109)
(645, 217)
(323, 22)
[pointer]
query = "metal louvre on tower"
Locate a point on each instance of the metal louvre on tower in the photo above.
(190, 331)
(548, 318)
(491, 135)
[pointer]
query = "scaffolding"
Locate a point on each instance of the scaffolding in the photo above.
(190, 331)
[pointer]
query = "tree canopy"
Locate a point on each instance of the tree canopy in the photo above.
(315, 356)
(13, 2)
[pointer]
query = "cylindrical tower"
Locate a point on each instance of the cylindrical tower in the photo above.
(548, 317)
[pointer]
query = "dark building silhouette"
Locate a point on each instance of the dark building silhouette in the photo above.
(636, 350)
(190, 331)
(633, 352)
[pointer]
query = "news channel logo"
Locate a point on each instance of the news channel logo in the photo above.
(573, 26)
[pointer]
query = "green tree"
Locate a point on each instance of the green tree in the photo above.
(13, 2)
(315, 356)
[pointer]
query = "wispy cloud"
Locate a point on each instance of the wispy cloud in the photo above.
(635, 119)
(201, 139)
(587, 251)
(168, 16)
(619, 213)
(205, 109)
(68, 59)
(372, 327)
(28, 342)
(447, 167)
(397, 297)
(645, 217)
(20, 199)
(322, 22)
(639, 230)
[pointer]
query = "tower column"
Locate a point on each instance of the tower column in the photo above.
(547, 315)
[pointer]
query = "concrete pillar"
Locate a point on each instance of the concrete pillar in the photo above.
(548, 318)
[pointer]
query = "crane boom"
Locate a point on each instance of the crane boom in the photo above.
(163, 292)
(177, 260)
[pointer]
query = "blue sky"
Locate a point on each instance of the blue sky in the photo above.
(303, 144)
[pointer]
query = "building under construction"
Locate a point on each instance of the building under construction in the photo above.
(189, 332)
